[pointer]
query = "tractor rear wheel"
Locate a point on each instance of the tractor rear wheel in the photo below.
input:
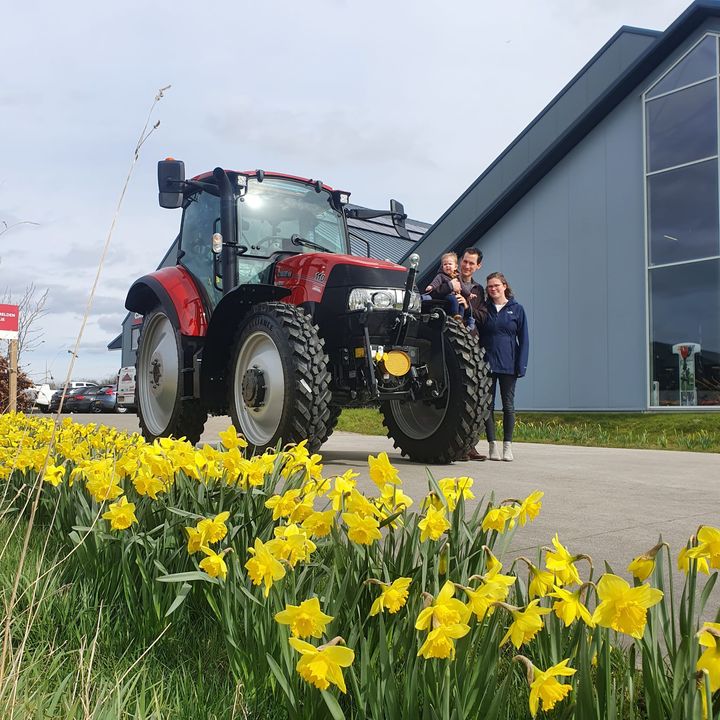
(160, 408)
(443, 430)
(279, 384)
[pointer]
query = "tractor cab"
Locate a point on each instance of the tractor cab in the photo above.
(272, 215)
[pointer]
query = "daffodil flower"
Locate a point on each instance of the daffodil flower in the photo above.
(392, 597)
(433, 525)
(305, 619)
(443, 610)
(264, 567)
(543, 685)
(709, 637)
(526, 623)
(381, 471)
(321, 666)
(121, 514)
(362, 530)
(439, 642)
(624, 608)
(214, 564)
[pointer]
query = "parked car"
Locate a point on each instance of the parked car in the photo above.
(126, 388)
(72, 386)
(106, 400)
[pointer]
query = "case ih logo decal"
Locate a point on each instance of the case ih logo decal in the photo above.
(320, 277)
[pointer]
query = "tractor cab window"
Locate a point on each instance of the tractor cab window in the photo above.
(273, 211)
(200, 220)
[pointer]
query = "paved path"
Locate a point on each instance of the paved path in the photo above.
(611, 504)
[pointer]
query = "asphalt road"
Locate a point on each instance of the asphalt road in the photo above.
(611, 504)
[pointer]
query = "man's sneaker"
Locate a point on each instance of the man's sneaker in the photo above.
(507, 452)
(473, 454)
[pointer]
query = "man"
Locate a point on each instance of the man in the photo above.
(472, 295)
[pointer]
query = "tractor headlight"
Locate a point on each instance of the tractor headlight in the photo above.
(382, 299)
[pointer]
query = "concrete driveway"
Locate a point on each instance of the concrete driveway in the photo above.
(611, 504)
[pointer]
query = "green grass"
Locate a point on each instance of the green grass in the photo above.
(80, 659)
(698, 432)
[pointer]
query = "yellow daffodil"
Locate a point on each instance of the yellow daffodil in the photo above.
(147, 484)
(497, 518)
(709, 637)
(455, 488)
(530, 507)
(362, 530)
(283, 505)
(214, 564)
(291, 543)
(214, 529)
(381, 471)
(561, 563)
(684, 562)
(568, 606)
(196, 540)
(341, 488)
(439, 642)
(392, 597)
(643, 565)
(526, 623)
(392, 499)
(543, 685)
(495, 588)
(319, 524)
(321, 666)
(444, 610)
(54, 474)
(121, 514)
(492, 564)
(708, 546)
(231, 440)
(103, 488)
(357, 503)
(264, 567)
(624, 608)
(305, 619)
(433, 525)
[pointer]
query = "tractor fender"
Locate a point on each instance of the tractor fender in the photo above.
(226, 317)
(174, 289)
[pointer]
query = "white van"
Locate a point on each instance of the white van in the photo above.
(126, 388)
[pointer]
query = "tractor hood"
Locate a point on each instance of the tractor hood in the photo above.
(321, 270)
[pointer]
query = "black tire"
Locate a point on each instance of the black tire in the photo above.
(95, 407)
(278, 381)
(446, 429)
(332, 421)
(161, 410)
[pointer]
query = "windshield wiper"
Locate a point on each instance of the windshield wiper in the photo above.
(298, 240)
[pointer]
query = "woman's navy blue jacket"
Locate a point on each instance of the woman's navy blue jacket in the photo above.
(504, 335)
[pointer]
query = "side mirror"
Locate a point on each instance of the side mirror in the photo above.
(171, 178)
(397, 212)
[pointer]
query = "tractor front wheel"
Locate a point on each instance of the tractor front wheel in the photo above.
(445, 429)
(279, 389)
(161, 410)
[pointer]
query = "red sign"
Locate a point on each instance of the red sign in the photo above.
(9, 322)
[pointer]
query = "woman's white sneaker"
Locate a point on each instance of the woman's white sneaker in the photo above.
(494, 453)
(507, 455)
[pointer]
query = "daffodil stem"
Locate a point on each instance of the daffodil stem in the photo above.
(672, 597)
(446, 692)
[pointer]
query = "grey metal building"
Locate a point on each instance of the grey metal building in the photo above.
(604, 216)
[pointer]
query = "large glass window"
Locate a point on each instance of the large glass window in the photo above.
(683, 231)
(685, 320)
(698, 64)
(683, 213)
(682, 126)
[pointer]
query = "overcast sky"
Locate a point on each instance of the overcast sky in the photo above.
(411, 100)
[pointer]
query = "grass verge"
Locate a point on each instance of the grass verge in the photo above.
(698, 432)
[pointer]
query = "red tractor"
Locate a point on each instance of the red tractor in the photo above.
(268, 318)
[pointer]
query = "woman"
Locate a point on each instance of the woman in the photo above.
(504, 335)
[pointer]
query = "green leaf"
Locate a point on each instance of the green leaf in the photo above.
(282, 681)
(188, 577)
(179, 599)
(333, 706)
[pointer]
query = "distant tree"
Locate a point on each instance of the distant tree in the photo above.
(31, 308)
(24, 402)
